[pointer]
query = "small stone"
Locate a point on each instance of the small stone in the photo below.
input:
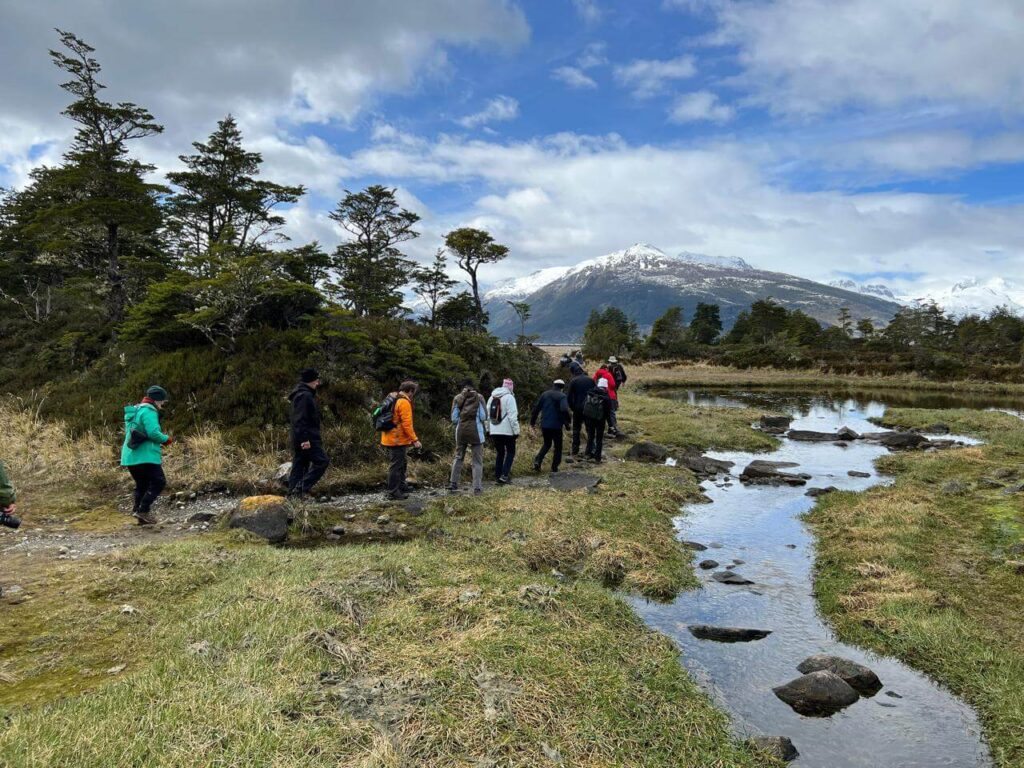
(383, 519)
(201, 517)
(737, 561)
(716, 545)
(1017, 566)
(350, 517)
(816, 492)
(117, 669)
(338, 530)
(129, 609)
(791, 546)
(893, 694)
(469, 596)
(707, 565)
(779, 747)
(696, 547)
(200, 648)
(954, 487)
(730, 577)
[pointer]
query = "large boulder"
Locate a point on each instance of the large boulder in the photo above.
(901, 441)
(774, 425)
(647, 451)
(859, 677)
(727, 634)
(779, 747)
(761, 472)
(810, 436)
(265, 516)
(705, 466)
(817, 694)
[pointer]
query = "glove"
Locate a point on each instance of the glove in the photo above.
(169, 441)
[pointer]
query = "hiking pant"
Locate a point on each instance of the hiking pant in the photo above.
(478, 465)
(308, 466)
(613, 420)
(595, 438)
(149, 482)
(578, 422)
(552, 437)
(505, 450)
(399, 463)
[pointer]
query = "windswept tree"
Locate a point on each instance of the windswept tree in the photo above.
(706, 324)
(97, 199)
(371, 271)
(522, 310)
(220, 201)
(473, 248)
(432, 284)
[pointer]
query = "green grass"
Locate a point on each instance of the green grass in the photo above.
(923, 569)
(454, 649)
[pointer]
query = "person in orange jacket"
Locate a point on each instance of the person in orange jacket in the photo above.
(398, 440)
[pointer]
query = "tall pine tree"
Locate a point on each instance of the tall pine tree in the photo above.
(432, 285)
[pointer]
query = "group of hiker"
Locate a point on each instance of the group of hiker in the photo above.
(588, 404)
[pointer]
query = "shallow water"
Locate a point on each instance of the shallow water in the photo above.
(924, 727)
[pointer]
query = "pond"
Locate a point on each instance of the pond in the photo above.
(911, 722)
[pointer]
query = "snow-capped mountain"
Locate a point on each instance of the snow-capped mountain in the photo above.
(972, 296)
(978, 297)
(644, 281)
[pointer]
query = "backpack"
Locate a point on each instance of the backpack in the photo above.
(497, 413)
(383, 416)
(593, 406)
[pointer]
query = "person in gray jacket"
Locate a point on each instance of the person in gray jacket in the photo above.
(503, 424)
(469, 417)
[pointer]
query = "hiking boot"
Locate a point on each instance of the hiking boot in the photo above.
(453, 489)
(536, 466)
(145, 518)
(478, 492)
(396, 496)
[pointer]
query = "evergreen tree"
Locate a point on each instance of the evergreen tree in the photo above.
(474, 248)
(432, 284)
(219, 200)
(522, 310)
(608, 332)
(668, 335)
(845, 321)
(98, 196)
(458, 312)
(370, 269)
(866, 328)
(706, 324)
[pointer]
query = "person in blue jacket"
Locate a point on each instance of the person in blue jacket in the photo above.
(142, 451)
(553, 409)
(469, 415)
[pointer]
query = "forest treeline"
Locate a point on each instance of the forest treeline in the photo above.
(922, 339)
(110, 282)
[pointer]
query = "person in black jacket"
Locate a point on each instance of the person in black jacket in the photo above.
(597, 410)
(309, 460)
(553, 409)
(579, 386)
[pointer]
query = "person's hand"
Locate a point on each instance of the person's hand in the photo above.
(306, 445)
(10, 510)
(170, 439)
(418, 445)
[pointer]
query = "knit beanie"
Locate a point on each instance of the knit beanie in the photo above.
(157, 394)
(309, 375)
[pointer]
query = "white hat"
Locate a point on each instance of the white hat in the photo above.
(559, 382)
(613, 359)
(602, 383)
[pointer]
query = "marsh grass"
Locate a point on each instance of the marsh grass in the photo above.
(922, 570)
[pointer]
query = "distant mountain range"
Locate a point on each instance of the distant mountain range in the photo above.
(968, 297)
(644, 281)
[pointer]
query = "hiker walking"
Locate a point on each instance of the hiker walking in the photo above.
(553, 409)
(398, 438)
(469, 416)
(142, 451)
(579, 386)
(604, 374)
(503, 424)
(8, 497)
(617, 371)
(309, 460)
(597, 409)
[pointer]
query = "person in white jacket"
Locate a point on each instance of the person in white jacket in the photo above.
(503, 426)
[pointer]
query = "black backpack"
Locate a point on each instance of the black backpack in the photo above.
(383, 416)
(496, 414)
(593, 406)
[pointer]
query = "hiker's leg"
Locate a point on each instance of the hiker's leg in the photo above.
(598, 440)
(138, 474)
(396, 469)
(156, 482)
(577, 427)
(591, 434)
(499, 455)
(556, 462)
(478, 467)
(318, 463)
(300, 466)
(510, 456)
(546, 433)
(613, 419)
(460, 455)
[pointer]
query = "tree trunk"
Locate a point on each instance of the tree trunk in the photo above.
(115, 280)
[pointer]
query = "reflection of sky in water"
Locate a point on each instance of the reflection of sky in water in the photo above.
(927, 727)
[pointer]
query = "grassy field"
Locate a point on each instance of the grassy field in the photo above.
(493, 638)
(927, 569)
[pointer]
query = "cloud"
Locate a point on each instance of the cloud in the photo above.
(588, 10)
(563, 198)
(574, 77)
(808, 57)
(498, 109)
(649, 77)
(698, 106)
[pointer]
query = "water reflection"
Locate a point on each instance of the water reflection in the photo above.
(925, 727)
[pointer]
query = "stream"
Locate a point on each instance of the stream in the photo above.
(911, 722)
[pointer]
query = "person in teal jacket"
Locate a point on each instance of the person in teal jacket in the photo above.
(144, 460)
(7, 500)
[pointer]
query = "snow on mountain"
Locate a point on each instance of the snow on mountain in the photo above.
(978, 297)
(638, 257)
(868, 289)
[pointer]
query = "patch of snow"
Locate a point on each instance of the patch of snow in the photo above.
(978, 297)
(723, 262)
(518, 287)
(868, 289)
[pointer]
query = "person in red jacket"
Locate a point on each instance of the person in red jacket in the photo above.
(604, 374)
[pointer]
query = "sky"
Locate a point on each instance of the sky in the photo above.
(823, 138)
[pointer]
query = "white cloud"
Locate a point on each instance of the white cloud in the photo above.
(498, 109)
(588, 10)
(698, 106)
(574, 77)
(648, 77)
(564, 198)
(593, 56)
(806, 57)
